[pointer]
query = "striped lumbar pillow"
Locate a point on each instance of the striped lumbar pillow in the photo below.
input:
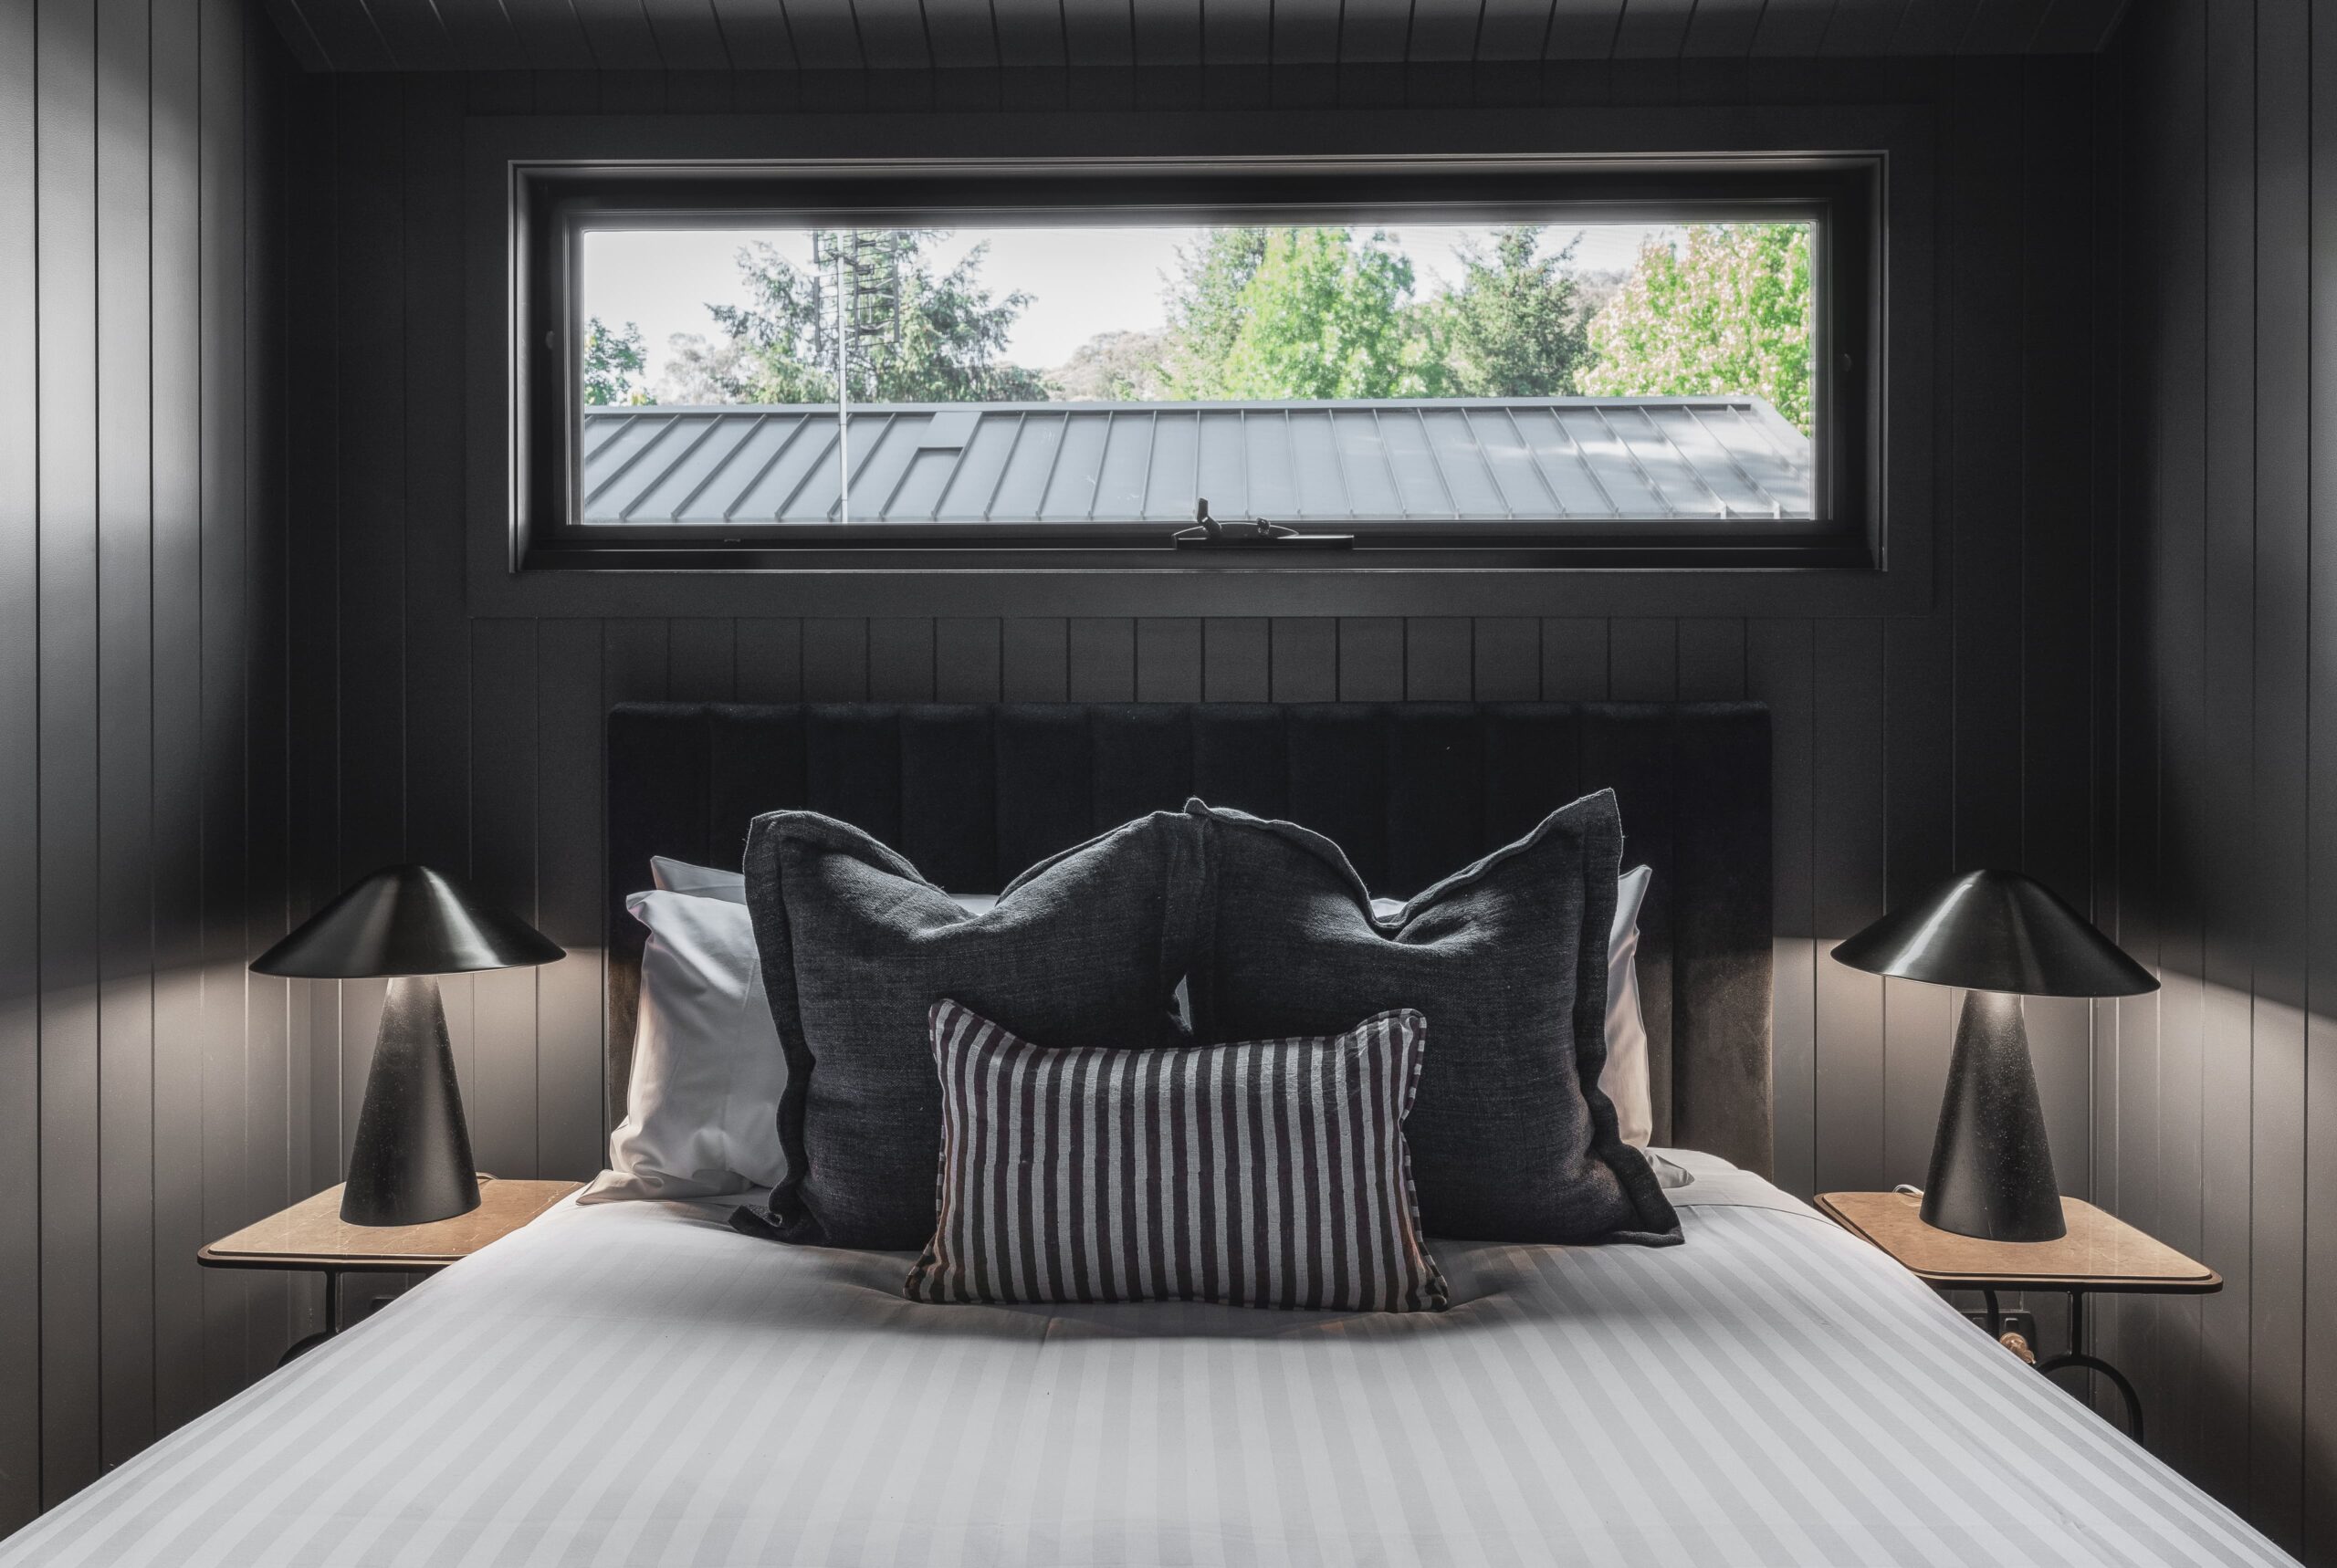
(1268, 1173)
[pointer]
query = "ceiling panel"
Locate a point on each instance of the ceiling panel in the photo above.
(854, 34)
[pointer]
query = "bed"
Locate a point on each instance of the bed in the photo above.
(637, 1383)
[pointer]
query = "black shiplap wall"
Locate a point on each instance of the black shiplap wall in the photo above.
(2217, 1097)
(1904, 745)
(152, 1094)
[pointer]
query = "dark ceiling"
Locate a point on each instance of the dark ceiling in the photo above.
(917, 35)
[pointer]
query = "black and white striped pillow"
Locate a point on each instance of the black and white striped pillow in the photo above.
(1271, 1173)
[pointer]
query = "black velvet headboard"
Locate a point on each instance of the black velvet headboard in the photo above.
(973, 794)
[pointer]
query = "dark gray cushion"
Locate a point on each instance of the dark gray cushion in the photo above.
(1084, 949)
(1511, 1138)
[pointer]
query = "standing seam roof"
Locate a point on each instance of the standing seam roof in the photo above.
(1425, 460)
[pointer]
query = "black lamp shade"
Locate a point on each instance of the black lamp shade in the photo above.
(1995, 931)
(406, 920)
(410, 1162)
(2000, 935)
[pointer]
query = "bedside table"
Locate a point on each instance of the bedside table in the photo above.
(2102, 1254)
(311, 1237)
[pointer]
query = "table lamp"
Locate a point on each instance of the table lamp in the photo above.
(411, 1160)
(2002, 936)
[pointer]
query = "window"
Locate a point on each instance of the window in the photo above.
(1532, 363)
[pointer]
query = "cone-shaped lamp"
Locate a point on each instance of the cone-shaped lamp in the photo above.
(411, 1160)
(2001, 936)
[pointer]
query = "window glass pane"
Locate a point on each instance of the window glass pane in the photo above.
(1421, 374)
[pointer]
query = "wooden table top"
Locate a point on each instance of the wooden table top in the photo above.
(2101, 1252)
(312, 1235)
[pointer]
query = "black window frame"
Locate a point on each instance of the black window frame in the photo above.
(552, 202)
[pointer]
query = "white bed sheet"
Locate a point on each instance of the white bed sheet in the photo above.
(634, 1383)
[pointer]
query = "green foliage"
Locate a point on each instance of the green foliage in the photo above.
(914, 334)
(612, 360)
(1113, 367)
(1319, 316)
(1205, 309)
(1514, 326)
(1727, 312)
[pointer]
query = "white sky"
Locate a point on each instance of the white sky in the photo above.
(1082, 280)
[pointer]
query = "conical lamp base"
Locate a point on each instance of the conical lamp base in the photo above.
(1992, 1168)
(412, 1163)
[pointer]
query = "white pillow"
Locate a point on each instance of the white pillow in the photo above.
(1625, 1078)
(702, 1105)
(707, 881)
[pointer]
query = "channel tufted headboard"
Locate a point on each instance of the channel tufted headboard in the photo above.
(973, 794)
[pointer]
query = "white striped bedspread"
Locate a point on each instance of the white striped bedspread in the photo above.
(634, 1383)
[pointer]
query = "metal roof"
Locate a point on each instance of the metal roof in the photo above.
(1528, 459)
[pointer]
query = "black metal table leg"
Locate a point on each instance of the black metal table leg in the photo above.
(2053, 1363)
(2076, 1357)
(300, 1348)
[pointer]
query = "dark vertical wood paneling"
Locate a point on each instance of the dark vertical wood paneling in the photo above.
(836, 660)
(1711, 659)
(2277, 889)
(1918, 1020)
(1100, 659)
(1846, 892)
(1303, 660)
(900, 660)
(966, 659)
(437, 644)
(226, 870)
(19, 777)
(125, 720)
(2176, 549)
(770, 660)
(1168, 660)
(705, 659)
(178, 343)
(1439, 653)
(1505, 659)
(571, 707)
(2226, 1096)
(2225, 853)
(369, 508)
(269, 1083)
(1778, 671)
(1985, 281)
(505, 811)
(1237, 660)
(2056, 767)
(1643, 660)
(1573, 661)
(635, 659)
(1035, 664)
(65, 218)
(2318, 1189)
(1370, 660)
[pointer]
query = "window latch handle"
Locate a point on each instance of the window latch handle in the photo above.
(1209, 533)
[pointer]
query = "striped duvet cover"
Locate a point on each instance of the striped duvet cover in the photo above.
(634, 1383)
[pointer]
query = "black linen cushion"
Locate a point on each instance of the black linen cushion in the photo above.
(1267, 1173)
(1086, 946)
(1511, 1139)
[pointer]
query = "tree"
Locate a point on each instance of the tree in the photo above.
(698, 371)
(610, 361)
(1318, 316)
(1514, 326)
(1113, 367)
(1728, 311)
(1205, 307)
(910, 332)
